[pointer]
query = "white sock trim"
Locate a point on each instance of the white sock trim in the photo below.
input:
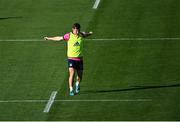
(77, 83)
(71, 88)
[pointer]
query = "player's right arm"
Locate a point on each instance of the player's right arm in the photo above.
(56, 38)
(86, 34)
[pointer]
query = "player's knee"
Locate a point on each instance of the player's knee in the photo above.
(71, 71)
(79, 78)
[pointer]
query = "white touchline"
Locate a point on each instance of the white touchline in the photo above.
(50, 102)
(96, 4)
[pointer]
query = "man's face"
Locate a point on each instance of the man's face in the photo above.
(75, 31)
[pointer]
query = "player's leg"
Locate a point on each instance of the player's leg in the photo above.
(79, 75)
(71, 80)
(78, 80)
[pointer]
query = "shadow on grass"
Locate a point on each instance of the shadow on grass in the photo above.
(5, 18)
(133, 88)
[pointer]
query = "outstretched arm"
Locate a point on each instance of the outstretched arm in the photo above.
(56, 38)
(86, 34)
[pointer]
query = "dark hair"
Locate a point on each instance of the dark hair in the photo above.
(76, 26)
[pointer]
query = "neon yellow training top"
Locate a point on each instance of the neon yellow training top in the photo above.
(75, 46)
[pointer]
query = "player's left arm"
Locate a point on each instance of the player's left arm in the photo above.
(86, 34)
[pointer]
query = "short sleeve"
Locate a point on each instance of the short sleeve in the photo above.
(66, 36)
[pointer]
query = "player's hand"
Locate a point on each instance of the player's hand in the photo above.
(45, 38)
(91, 32)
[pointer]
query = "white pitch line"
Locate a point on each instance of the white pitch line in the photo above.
(97, 39)
(21, 40)
(23, 101)
(78, 100)
(136, 39)
(96, 4)
(50, 102)
(107, 100)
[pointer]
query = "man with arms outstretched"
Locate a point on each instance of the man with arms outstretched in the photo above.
(75, 54)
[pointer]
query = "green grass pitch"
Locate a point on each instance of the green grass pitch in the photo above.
(120, 70)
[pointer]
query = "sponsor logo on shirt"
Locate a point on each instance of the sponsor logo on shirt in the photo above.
(77, 44)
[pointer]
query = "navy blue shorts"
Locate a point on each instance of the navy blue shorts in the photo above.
(78, 65)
